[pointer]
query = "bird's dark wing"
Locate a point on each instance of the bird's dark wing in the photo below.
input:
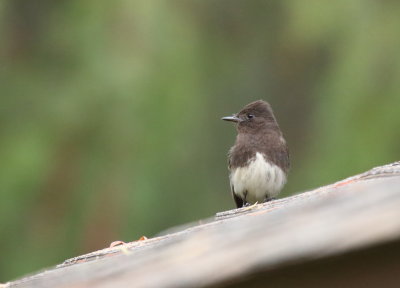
(238, 200)
(285, 159)
(230, 159)
(280, 157)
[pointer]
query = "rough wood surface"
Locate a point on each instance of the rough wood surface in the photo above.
(239, 245)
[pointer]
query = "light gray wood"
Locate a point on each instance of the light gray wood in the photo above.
(247, 245)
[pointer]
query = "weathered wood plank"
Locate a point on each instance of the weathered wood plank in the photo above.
(253, 244)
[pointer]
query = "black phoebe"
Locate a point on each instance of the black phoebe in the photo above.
(259, 160)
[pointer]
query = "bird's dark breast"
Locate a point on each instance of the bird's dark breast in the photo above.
(271, 145)
(239, 156)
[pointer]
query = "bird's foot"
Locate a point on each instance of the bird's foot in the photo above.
(269, 199)
(249, 206)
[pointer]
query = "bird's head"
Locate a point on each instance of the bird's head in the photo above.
(253, 117)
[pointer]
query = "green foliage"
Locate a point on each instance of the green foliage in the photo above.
(109, 110)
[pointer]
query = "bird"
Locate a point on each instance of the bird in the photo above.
(259, 161)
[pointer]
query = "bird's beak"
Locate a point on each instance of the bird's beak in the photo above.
(232, 118)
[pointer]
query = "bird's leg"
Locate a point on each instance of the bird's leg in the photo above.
(245, 203)
(269, 199)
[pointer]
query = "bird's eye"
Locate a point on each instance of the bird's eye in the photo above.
(250, 116)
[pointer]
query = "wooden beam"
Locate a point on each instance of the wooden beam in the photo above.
(347, 232)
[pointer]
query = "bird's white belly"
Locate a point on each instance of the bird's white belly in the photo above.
(258, 180)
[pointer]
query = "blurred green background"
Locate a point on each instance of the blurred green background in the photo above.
(110, 110)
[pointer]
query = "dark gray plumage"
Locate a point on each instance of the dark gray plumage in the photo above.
(259, 160)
